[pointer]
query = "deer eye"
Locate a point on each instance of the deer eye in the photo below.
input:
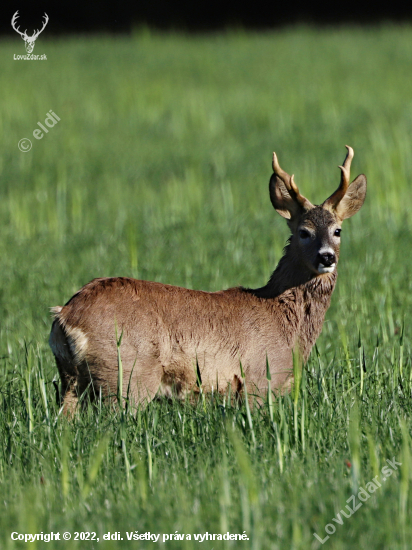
(337, 232)
(303, 234)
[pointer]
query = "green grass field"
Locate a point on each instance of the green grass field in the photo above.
(159, 169)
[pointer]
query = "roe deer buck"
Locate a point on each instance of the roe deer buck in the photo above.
(169, 333)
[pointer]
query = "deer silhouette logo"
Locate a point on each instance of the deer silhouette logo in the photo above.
(29, 41)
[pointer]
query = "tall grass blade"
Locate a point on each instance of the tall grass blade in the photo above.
(248, 414)
(95, 462)
(269, 396)
(354, 445)
(297, 377)
(120, 370)
(405, 473)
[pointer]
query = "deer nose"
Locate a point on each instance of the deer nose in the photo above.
(327, 258)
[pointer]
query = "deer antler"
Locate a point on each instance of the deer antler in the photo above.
(36, 33)
(290, 184)
(13, 21)
(338, 195)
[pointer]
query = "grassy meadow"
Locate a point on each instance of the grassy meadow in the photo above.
(158, 169)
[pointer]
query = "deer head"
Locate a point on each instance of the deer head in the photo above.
(315, 240)
(29, 41)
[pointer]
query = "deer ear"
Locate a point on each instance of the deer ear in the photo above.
(353, 198)
(282, 202)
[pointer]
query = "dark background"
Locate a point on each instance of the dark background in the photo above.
(191, 16)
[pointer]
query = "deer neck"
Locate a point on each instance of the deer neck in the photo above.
(315, 295)
(291, 273)
(301, 295)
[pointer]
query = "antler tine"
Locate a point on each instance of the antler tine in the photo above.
(278, 170)
(37, 32)
(13, 22)
(338, 195)
(288, 181)
(13, 19)
(46, 19)
(345, 169)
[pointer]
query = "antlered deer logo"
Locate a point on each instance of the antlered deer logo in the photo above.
(29, 41)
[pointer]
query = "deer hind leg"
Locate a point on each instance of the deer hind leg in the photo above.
(68, 346)
(70, 399)
(68, 392)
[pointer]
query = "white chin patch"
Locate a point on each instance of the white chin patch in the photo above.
(324, 269)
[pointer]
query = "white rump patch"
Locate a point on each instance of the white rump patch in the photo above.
(77, 341)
